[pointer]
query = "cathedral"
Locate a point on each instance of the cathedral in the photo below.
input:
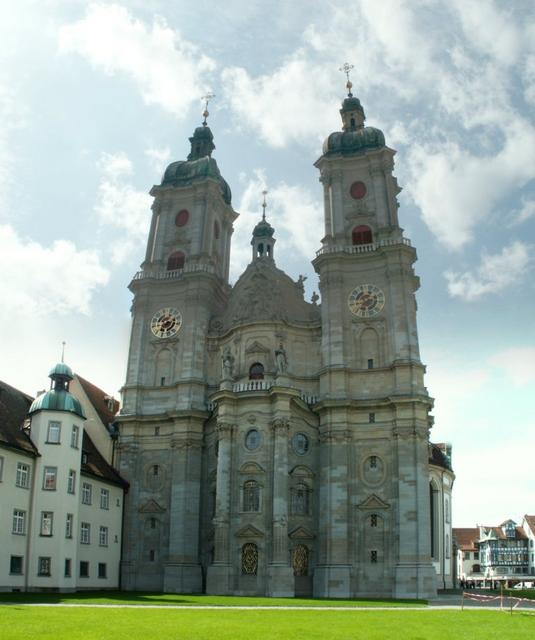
(275, 445)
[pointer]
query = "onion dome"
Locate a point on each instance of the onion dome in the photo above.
(199, 165)
(263, 230)
(354, 137)
(58, 398)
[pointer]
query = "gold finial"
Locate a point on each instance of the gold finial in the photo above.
(264, 204)
(206, 113)
(63, 351)
(346, 68)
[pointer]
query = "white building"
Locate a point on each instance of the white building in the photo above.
(60, 499)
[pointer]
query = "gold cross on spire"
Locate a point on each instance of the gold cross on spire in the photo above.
(264, 204)
(346, 68)
(206, 113)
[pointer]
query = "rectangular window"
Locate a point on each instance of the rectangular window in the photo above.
(68, 525)
(102, 570)
(373, 556)
(54, 432)
(49, 478)
(476, 555)
(86, 493)
(68, 564)
(103, 537)
(43, 566)
(84, 569)
(23, 475)
(371, 417)
(15, 565)
(75, 433)
(47, 518)
(85, 533)
(19, 522)
(104, 499)
(71, 481)
(370, 363)
(1, 467)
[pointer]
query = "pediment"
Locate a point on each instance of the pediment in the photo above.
(300, 533)
(256, 347)
(300, 471)
(373, 501)
(151, 506)
(249, 532)
(251, 468)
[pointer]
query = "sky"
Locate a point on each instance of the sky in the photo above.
(97, 98)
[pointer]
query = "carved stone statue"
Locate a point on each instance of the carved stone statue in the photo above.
(280, 359)
(315, 298)
(227, 361)
(301, 282)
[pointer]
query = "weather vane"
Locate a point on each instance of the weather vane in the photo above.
(207, 99)
(63, 351)
(264, 204)
(346, 68)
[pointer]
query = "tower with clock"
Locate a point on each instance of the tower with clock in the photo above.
(274, 445)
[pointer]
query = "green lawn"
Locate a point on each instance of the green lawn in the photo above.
(78, 623)
(129, 597)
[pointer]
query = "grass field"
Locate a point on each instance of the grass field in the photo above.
(58, 623)
(128, 597)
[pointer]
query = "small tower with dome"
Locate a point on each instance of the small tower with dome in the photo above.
(263, 242)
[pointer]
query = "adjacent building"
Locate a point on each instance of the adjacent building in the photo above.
(61, 501)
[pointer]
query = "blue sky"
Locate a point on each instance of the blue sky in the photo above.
(96, 99)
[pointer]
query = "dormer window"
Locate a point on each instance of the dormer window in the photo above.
(256, 371)
(362, 235)
(176, 261)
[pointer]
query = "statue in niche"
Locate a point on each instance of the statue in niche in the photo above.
(280, 359)
(227, 362)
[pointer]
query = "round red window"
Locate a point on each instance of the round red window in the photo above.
(358, 190)
(182, 218)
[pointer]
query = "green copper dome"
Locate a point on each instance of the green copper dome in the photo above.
(263, 230)
(61, 369)
(199, 165)
(54, 400)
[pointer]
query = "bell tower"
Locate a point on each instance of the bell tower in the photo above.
(374, 406)
(182, 283)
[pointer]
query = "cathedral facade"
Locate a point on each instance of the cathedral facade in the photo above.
(273, 445)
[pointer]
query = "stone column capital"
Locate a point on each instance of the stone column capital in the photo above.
(225, 429)
(280, 425)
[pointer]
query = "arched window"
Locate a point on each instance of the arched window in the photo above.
(249, 559)
(433, 510)
(300, 500)
(216, 230)
(176, 261)
(300, 560)
(447, 510)
(256, 371)
(251, 496)
(362, 235)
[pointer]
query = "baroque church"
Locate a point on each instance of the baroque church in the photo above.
(274, 445)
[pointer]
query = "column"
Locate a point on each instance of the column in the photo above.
(280, 573)
(218, 579)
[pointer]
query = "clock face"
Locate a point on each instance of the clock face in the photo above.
(366, 300)
(166, 322)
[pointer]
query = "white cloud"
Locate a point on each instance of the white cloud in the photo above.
(493, 274)
(168, 70)
(292, 211)
(518, 363)
(38, 280)
(122, 206)
(526, 211)
(158, 158)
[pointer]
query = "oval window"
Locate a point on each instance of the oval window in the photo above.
(300, 443)
(358, 190)
(252, 440)
(182, 218)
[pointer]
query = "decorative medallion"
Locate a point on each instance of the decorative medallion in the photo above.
(166, 322)
(357, 190)
(366, 300)
(252, 440)
(182, 218)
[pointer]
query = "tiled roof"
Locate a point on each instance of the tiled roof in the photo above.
(97, 466)
(14, 405)
(466, 538)
(99, 399)
(530, 522)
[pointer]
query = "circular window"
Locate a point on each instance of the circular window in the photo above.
(182, 218)
(358, 190)
(252, 440)
(300, 443)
